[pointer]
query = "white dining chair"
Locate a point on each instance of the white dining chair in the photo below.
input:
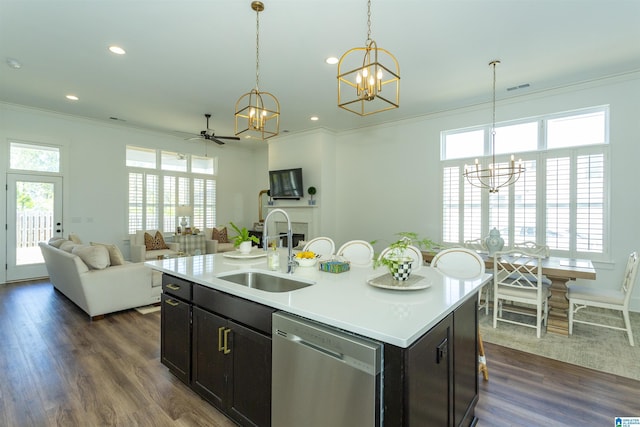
(461, 263)
(323, 246)
(533, 248)
(479, 245)
(476, 244)
(412, 251)
(613, 299)
(517, 278)
(357, 252)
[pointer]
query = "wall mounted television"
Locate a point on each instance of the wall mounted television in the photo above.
(286, 184)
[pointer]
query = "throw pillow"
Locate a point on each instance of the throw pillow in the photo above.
(96, 257)
(74, 238)
(56, 242)
(156, 242)
(68, 246)
(220, 234)
(115, 256)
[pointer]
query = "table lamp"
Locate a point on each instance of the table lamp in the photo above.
(183, 211)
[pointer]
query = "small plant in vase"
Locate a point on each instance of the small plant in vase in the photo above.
(396, 259)
(243, 240)
(312, 192)
(270, 201)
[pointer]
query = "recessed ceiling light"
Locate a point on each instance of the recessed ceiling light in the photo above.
(332, 60)
(14, 63)
(117, 50)
(314, 118)
(72, 97)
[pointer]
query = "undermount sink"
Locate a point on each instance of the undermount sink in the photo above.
(265, 281)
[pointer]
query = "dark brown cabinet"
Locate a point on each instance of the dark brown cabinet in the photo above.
(434, 382)
(220, 345)
(175, 331)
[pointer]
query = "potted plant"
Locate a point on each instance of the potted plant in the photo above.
(312, 192)
(396, 259)
(243, 240)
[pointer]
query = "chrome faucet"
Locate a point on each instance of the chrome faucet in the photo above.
(291, 263)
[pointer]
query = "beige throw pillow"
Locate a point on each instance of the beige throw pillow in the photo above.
(96, 257)
(56, 242)
(68, 246)
(115, 255)
(156, 242)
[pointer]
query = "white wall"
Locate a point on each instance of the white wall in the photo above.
(94, 172)
(387, 178)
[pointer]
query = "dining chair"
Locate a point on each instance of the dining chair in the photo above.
(461, 263)
(518, 279)
(476, 244)
(412, 251)
(533, 248)
(323, 246)
(358, 252)
(479, 245)
(464, 263)
(581, 296)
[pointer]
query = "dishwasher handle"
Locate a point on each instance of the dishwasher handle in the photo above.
(299, 340)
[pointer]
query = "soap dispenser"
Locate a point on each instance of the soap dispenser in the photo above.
(273, 258)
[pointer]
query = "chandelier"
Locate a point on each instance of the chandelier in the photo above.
(257, 113)
(360, 88)
(495, 175)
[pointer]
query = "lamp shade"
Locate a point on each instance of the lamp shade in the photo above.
(183, 210)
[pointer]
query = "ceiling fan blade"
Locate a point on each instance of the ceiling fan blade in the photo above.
(216, 140)
(193, 138)
(235, 138)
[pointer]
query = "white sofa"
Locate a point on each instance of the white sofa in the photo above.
(101, 291)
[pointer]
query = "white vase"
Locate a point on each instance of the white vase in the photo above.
(245, 247)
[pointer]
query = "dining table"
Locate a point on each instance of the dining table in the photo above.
(560, 271)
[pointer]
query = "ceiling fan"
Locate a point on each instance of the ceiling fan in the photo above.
(210, 135)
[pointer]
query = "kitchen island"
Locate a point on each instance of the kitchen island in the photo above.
(429, 336)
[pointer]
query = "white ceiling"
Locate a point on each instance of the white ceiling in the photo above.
(190, 57)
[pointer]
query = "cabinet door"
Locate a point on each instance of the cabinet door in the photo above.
(250, 391)
(209, 376)
(465, 362)
(175, 336)
(429, 377)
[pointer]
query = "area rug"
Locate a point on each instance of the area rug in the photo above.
(602, 349)
(148, 309)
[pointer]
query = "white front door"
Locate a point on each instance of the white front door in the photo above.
(34, 214)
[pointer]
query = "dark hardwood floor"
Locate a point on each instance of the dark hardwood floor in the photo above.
(58, 368)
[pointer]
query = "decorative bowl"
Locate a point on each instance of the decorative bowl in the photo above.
(306, 262)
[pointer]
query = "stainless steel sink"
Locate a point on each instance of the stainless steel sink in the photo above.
(265, 281)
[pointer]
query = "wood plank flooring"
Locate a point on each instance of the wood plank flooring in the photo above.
(58, 368)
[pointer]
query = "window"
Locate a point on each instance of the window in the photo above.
(563, 190)
(33, 157)
(156, 191)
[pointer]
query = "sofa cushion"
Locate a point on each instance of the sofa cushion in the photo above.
(56, 242)
(96, 257)
(74, 238)
(115, 255)
(156, 242)
(220, 234)
(68, 246)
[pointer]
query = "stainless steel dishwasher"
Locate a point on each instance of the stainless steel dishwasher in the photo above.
(322, 376)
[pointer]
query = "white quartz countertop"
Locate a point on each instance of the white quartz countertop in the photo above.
(342, 300)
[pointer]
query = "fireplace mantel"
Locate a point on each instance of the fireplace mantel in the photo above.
(308, 214)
